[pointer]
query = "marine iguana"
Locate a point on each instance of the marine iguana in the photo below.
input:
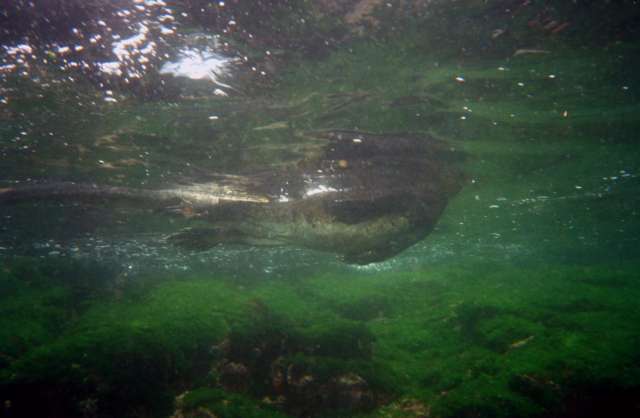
(363, 196)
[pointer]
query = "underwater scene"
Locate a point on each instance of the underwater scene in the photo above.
(319, 208)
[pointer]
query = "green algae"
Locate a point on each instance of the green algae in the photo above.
(128, 353)
(479, 341)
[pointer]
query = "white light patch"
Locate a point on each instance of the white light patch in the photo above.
(7, 68)
(122, 49)
(19, 49)
(152, 2)
(319, 189)
(166, 18)
(111, 68)
(198, 65)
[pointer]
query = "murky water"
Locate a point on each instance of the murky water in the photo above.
(336, 209)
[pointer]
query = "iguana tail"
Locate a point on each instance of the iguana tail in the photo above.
(68, 191)
(195, 195)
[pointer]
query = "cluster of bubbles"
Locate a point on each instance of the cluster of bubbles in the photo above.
(150, 254)
(119, 43)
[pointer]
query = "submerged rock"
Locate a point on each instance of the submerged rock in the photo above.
(363, 196)
(409, 408)
(234, 377)
(351, 392)
(182, 411)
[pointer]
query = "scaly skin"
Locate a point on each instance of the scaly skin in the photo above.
(365, 197)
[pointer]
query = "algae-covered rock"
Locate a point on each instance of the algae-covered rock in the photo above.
(116, 357)
(304, 372)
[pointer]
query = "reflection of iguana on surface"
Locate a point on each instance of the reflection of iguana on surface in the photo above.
(365, 197)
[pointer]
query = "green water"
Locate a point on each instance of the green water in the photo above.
(522, 302)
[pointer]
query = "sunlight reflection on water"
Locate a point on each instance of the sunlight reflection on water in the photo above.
(198, 65)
